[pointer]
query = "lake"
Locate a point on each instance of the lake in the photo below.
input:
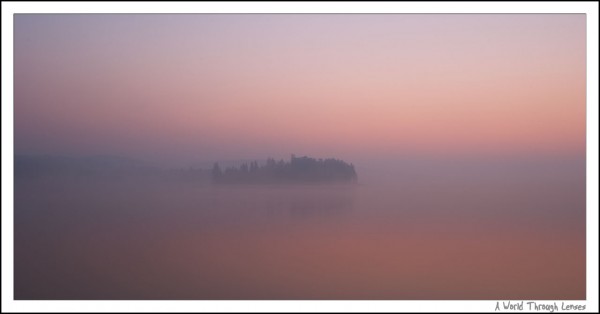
(455, 235)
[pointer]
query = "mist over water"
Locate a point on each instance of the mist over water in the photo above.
(420, 230)
(466, 133)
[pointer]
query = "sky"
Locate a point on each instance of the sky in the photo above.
(197, 87)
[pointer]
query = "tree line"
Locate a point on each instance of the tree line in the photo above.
(298, 169)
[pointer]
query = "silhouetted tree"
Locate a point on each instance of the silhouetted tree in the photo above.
(216, 172)
(299, 169)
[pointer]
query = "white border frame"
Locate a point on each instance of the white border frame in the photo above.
(8, 9)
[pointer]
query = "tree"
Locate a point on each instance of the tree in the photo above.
(299, 169)
(216, 172)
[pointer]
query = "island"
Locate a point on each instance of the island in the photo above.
(297, 170)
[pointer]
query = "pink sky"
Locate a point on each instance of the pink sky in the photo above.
(222, 86)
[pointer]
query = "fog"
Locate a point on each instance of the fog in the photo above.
(447, 156)
(411, 229)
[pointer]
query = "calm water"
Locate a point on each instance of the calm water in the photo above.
(500, 235)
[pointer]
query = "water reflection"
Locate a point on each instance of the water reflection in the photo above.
(162, 240)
